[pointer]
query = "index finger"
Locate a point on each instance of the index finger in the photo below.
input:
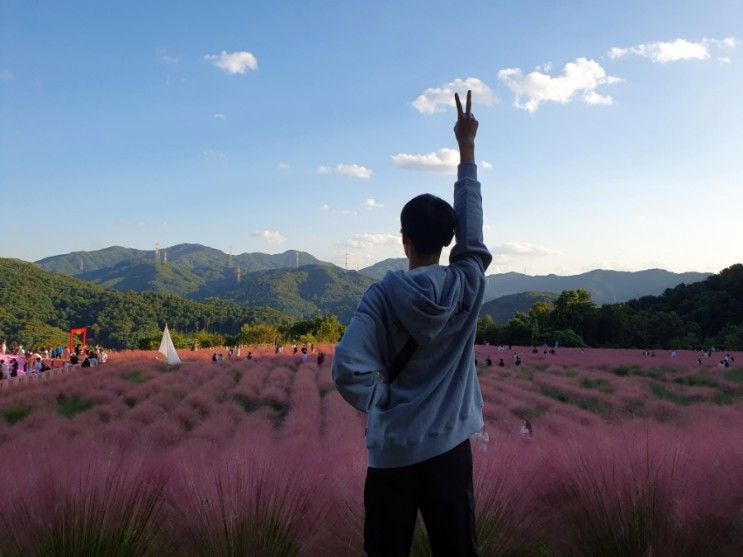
(469, 101)
(459, 104)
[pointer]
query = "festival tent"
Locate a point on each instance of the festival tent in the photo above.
(167, 349)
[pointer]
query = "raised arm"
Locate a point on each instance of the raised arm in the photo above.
(470, 248)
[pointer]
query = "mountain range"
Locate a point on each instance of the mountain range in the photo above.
(606, 287)
(302, 286)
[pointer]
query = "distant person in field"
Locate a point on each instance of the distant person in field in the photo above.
(407, 359)
(4, 370)
(3, 347)
(526, 429)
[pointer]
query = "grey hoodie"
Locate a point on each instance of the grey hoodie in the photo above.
(435, 403)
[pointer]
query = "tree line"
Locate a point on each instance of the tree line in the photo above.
(37, 308)
(703, 314)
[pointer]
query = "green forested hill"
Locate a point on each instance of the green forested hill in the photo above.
(147, 276)
(189, 270)
(36, 305)
(304, 292)
(702, 314)
(378, 270)
(79, 262)
(710, 309)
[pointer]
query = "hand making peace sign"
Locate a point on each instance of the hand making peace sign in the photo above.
(465, 129)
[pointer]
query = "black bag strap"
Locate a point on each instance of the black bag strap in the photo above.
(401, 360)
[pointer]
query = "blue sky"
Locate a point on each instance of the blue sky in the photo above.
(612, 129)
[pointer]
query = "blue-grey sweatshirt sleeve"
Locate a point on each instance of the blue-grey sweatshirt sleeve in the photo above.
(470, 250)
(357, 359)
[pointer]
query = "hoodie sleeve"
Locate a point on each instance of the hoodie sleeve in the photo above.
(470, 250)
(357, 356)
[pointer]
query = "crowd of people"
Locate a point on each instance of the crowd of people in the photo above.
(304, 352)
(17, 361)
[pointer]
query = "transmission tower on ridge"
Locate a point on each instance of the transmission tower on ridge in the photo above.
(346, 261)
(165, 258)
(157, 253)
(296, 258)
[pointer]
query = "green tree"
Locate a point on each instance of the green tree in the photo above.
(259, 334)
(572, 309)
(485, 329)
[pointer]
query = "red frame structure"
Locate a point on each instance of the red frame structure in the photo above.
(79, 331)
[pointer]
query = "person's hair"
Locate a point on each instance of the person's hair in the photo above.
(429, 222)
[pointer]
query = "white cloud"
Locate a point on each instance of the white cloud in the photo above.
(219, 116)
(370, 241)
(372, 204)
(673, 51)
(436, 99)
(728, 42)
(592, 97)
(524, 249)
(724, 59)
(270, 236)
(443, 161)
(663, 52)
(354, 170)
(168, 58)
(325, 208)
(211, 154)
(282, 166)
(6, 75)
(581, 76)
(233, 62)
(485, 165)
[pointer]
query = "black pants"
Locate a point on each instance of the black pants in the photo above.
(440, 487)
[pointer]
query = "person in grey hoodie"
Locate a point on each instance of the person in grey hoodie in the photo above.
(407, 360)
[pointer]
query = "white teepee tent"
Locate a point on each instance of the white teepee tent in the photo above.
(167, 349)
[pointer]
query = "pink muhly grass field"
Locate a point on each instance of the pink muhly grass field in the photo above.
(630, 455)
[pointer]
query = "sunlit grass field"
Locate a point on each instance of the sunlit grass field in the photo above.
(630, 455)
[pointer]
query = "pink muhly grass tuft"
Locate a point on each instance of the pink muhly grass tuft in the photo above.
(303, 420)
(616, 500)
(281, 377)
(145, 413)
(165, 433)
(241, 507)
(220, 426)
(200, 403)
(83, 504)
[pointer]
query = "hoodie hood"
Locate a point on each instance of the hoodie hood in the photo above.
(423, 299)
